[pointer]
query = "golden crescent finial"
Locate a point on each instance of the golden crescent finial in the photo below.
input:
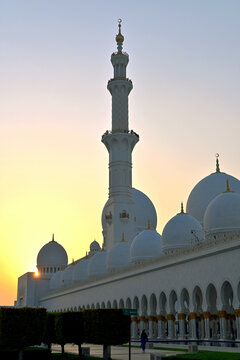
(53, 237)
(182, 209)
(149, 225)
(119, 36)
(217, 162)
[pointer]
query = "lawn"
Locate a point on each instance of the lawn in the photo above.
(208, 355)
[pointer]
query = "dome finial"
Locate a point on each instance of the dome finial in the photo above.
(149, 225)
(53, 237)
(119, 36)
(227, 187)
(182, 209)
(123, 239)
(217, 163)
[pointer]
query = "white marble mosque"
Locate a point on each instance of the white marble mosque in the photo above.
(184, 283)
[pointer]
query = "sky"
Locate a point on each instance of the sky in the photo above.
(54, 108)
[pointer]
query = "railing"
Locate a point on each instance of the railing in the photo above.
(108, 132)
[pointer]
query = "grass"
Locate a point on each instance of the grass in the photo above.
(208, 355)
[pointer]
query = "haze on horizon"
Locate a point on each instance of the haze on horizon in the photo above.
(55, 64)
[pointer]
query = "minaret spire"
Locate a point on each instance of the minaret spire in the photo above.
(119, 37)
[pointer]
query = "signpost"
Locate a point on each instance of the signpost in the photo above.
(130, 312)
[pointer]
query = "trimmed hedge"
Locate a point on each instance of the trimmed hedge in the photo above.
(106, 326)
(21, 327)
(49, 335)
(28, 354)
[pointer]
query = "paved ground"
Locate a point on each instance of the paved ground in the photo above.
(117, 352)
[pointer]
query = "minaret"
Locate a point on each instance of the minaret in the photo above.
(119, 142)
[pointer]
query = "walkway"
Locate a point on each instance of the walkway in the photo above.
(117, 352)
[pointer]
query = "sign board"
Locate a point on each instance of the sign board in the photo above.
(132, 312)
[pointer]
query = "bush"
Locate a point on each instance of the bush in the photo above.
(106, 326)
(35, 353)
(21, 327)
(49, 335)
(69, 328)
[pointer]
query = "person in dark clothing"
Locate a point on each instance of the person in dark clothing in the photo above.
(144, 339)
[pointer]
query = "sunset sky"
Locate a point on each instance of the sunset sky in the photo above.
(54, 107)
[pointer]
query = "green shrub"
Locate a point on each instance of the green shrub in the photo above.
(21, 327)
(49, 335)
(106, 326)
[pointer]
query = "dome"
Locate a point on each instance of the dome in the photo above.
(146, 246)
(81, 270)
(183, 230)
(206, 190)
(98, 264)
(144, 211)
(94, 246)
(67, 275)
(55, 281)
(223, 214)
(119, 256)
(52, 255)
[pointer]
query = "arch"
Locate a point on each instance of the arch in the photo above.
(115, 305)
(88, 306)
(211, 298)
(79, 308)
(144, 305)
(121, 304)
(128, 303)
(97, 305)
(184, 301)
(197, 299)
(162, 303)
(108, 305)
(102, 305)
(92, 306)
(153, 305)
(227, 297)
(75, 308)
(173, 302)
(136, 303)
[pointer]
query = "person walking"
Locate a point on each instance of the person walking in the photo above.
(144, 339)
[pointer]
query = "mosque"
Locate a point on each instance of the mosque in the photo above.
(184, 283)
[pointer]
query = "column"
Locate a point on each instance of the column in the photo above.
(223, 324)
(151, 324)
(142, 323)
(161, 322)
(237, 314)
(181, 320)
(134, 327)
(206, 318)
(192, 320)
(171, 327)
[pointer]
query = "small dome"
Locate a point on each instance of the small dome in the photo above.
(52, 254)
(94, 246)
(98, 264)
(67, 275)
(146, 246)
(55, 281)
(81, 270)
(119, 256)
(183, 230)
(223, 214)
(206, 190)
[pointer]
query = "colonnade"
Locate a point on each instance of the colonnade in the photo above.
(212, 313)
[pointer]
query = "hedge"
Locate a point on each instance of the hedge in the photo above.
(106, 326)
(21, 327)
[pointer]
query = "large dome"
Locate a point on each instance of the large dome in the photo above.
(52, 255)
(206, 190)
(144, 211)
(183, 230)
(98, 264)
(223, 214)
(119, 256)
(146, 246)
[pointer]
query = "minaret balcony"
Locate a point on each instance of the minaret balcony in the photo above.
(124, 216)
(108, 218)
